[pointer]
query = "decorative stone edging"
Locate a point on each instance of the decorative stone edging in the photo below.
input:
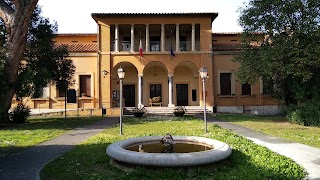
(118, 152)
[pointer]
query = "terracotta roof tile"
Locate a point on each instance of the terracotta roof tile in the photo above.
(81, 47)
(226, 47)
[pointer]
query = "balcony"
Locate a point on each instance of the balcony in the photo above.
(125, 46)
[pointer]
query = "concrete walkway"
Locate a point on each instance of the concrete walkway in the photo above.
(306, 156)
(27, 164)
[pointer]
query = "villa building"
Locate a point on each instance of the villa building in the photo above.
(161, 54)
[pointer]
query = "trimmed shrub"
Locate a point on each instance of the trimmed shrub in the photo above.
(20, 113)
(307, 114)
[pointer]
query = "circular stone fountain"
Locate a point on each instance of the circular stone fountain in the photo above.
(211, 151)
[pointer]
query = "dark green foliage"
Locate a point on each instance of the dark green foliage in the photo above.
(20, 113)
(307, 114)
(43, 61)
(282, 44)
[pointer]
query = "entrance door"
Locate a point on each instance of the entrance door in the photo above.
(129, 95)
(182, 94)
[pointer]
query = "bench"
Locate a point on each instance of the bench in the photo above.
(155, 101)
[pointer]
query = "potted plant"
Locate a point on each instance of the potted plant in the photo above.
(179, 111)
(138, 112)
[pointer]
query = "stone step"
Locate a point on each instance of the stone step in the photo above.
(166, 110)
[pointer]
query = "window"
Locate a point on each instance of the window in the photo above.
(246, 89)
(155, 90)
(61, 93)
(183, 43)
(194, 95)
(155, 43)
(265, 86)
(45, 93)
(85, 85)
(126, 44)
(225, 83)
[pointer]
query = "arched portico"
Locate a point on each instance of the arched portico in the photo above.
(186, 84)
(130, 85)
(155, 82)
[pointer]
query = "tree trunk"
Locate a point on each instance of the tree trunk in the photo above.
(17, 31)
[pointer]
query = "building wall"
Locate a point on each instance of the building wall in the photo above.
(111, 61)
(74, 38)
(222, 62)
(155, 67)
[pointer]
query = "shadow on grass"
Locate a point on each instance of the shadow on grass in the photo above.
(131, 120)
(51, 123)
(255, 118)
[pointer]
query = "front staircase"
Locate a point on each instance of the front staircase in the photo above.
(166, 110)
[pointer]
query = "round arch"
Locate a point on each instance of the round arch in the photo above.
(189, 65)
(186, 84)
(130, 83)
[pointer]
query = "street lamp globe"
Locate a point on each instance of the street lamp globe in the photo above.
(203, 72)
(121, 73)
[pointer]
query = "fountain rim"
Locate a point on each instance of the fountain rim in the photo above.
(118, 152)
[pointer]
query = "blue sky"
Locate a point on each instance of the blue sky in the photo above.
(74, 16)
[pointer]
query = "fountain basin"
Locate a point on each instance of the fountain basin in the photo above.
(119, 152)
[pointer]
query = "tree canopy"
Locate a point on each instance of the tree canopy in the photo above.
(29, 60)
(281, 44)
(43, 62)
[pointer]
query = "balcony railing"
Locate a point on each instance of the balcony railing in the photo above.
(187, 46)
(154, 46)
(126, 46)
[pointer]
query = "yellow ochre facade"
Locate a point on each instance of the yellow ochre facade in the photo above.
(161, 54)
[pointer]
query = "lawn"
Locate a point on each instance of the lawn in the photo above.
(278, 126)
(15, 137)
(247, 161)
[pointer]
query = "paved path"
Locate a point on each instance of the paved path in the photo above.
(307, 156)
(25, 165)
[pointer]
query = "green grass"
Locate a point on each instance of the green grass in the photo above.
(15, 137)
(247, 161)
(278, 126)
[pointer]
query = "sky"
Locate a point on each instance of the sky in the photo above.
(74, 16)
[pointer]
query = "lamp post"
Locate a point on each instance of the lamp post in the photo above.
(121, 74)
(203, 72)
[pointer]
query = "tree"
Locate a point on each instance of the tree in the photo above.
(16, 16)
(43, 61)
(282, 45)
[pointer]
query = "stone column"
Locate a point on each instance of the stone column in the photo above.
(177, 38)
(193, 38)
(132, 38)
(163, 38)
(147, 38)
(140, 105)
(170, 77)
(116, 38)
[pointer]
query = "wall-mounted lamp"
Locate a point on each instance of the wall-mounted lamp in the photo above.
(104, 72)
